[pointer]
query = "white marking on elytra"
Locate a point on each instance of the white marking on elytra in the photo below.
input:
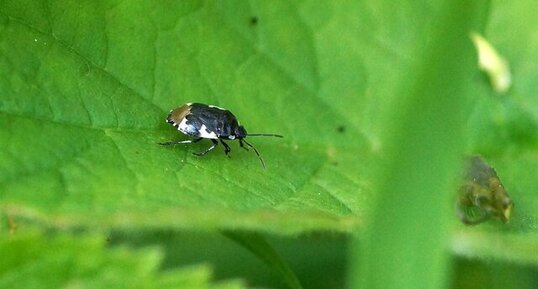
(183, 126)
(205, 133)
(213, 106)
(231, 137)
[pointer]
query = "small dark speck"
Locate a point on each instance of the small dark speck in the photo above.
(341, 129)
(335, 164)
(253, 20)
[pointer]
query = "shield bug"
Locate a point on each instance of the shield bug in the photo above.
(482, 195)
(210, 122)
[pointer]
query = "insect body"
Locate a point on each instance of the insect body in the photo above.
(210, 122)
(482, 194)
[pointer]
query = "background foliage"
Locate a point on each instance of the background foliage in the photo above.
(88, 196)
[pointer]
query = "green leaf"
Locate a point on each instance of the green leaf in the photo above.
(405, 243)
(262, 249)
(32, 260)
(505, 129)
(85, 88)
(318, 260)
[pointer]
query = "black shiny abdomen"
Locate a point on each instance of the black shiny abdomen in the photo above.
(221, 122)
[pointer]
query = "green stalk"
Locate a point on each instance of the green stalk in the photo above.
(405, 242)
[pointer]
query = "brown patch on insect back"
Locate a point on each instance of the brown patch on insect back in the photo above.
(501, 202)
(177, 115)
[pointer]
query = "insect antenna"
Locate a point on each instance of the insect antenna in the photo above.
(256, 151)
(265, 134)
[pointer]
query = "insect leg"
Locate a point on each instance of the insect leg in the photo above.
(168, 143)
(257, 153)
(242, 145)
(215, 143)
(227, 148)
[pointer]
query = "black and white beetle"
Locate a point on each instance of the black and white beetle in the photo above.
(207, 121)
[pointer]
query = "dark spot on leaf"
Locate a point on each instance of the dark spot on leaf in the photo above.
(253, 20)
(341, 129)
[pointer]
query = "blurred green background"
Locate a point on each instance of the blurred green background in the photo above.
(378, 102)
